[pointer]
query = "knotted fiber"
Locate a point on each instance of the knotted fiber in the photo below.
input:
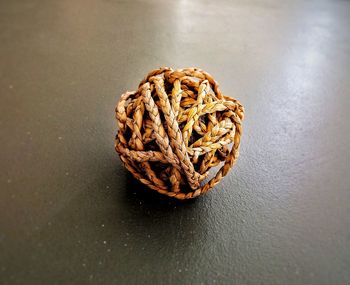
(174, 128)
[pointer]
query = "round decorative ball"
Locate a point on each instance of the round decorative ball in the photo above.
(174, 128)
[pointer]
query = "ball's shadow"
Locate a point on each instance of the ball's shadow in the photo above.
(148, 196)
(152, 211)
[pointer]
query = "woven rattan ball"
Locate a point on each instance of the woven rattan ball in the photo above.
(175, 128)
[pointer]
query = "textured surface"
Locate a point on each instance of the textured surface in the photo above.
(70, 213)
(174, 128)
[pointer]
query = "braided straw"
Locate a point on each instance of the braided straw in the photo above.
(174, 128)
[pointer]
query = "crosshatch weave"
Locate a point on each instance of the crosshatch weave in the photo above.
(174, 128)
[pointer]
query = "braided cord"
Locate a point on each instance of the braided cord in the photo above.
(174, 128)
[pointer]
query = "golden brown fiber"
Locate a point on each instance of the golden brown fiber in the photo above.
(174, 128)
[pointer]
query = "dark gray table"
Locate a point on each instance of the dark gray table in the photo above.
(71, 214)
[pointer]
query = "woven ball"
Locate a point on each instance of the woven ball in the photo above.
(175, 128)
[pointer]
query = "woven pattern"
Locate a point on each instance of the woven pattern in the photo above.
(174, 128)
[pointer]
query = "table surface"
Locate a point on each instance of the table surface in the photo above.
(70, 212)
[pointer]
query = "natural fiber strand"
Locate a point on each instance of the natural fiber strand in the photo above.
(174, 128)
